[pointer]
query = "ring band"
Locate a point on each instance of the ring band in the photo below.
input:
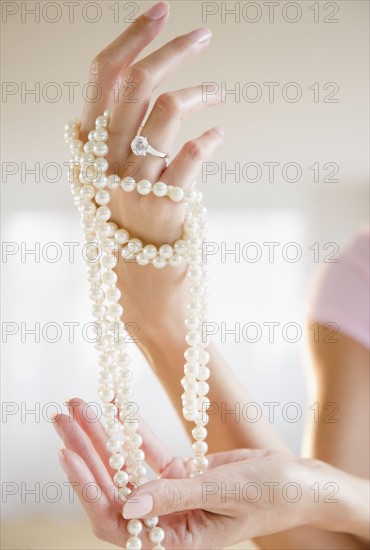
(141, 147)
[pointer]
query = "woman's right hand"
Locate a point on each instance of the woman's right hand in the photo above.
(150, 296)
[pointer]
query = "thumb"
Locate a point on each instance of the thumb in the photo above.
(165, 496)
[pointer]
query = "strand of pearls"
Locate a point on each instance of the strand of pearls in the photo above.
(105, 243)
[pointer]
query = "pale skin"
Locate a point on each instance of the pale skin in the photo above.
(156, 301)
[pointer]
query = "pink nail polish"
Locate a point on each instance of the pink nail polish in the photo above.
(201, 35)
(138, 506)
(157, 11)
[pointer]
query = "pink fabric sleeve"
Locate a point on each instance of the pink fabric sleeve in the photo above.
(340, 293)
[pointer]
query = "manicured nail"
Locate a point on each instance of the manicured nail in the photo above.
(201, 35)
(62, 459)
(220, 131)
(139, 506)
(157, 11)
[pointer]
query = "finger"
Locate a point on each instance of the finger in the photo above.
(106, 523)
(237, 455)
(76, 440)
(141, 79)
(186, 165)
(164, 122)
(111, 62)
(165, 496)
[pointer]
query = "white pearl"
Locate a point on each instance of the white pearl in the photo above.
(115, 310)
(90, 136)
(199, 432)
(87, 192)
(141, 259)
(133, 543)
(109, 261)
(159, 262)
(134, 527)
(88, 148)
(204, 357)
(109, 277)
(192, 322)
(200, 462)
(96, 294)
(156, 535)
(140, 471)
(151, 522)
(112, 228)
(176, 260)
(165, 251)
(176, 194)
(101, 122)
(113, 181)
(200, 447)
(98, 310)
(70, 125)
(101, 149)
(102, 197)
(203, 388)
(100, 134)
(204, 373)
(120, 478)
(136, 440)
(121, 236)
(87, 157)
(150, 251)
(123, 359)
(100, 182)
(113, 294)
(180, 247)
(191, 354)
(160, 189)
(106, 394)
(103, 213)
(189, 414)
(114, 445)
(76, 146)
(102, 164)
(144, 187)
(139, 455)
(116, 461)
(128, 184)
(193, 338)
(124, 492)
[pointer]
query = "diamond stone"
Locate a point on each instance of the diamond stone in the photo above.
(139, 146)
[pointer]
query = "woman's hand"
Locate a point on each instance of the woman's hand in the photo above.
(244, 494)
(150, 296)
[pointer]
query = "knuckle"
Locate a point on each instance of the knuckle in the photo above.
(174, 498)
(139, 74)
(100, 65)
(180, 44)
(193, 150)
(169, 103)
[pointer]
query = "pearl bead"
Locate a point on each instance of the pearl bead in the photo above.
(100, 134)
(193, 338)
(133, 543)
(103, 213)
(156, 535)
(150, 251)
(113, 181)
(113, 294)
(116, 310)
(101, 122)
(191, 355)
(199, 432)
(180, 247)
(160, 189)
(204, 373)
(100, 149)
(128, 184)
(175, 260)
(203, 357)
(113, 445)
(136, 440)
(109, 277)
(200, 462)
(141, 259)
(192, 322)
(200, 447)
(101, 164)
(134, 527)
(120, 478)
(124, 492)
(109, 261)
(106, 394)
(151, 522)
(116, 461)
(123, 359)
(121, 236)
(99, 310)
(90, 136)
(87, 192)
(102, 197)
(87, 157)
(203, 388)
(159, 262)
(144, 187)
(176, 194)
(100, 182)
(165, 251)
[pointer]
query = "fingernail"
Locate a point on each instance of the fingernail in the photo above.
(157, 11)
(139, 506)
(200, 35)
(220, 131)
(62, 459)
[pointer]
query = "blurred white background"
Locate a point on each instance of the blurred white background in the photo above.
(37, 210)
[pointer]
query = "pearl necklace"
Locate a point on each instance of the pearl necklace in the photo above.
(106, 242)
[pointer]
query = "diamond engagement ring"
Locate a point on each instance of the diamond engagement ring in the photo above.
(140, 147)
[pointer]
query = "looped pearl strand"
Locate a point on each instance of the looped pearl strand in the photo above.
(90, 187)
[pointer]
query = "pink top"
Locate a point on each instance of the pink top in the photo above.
(341, 291)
